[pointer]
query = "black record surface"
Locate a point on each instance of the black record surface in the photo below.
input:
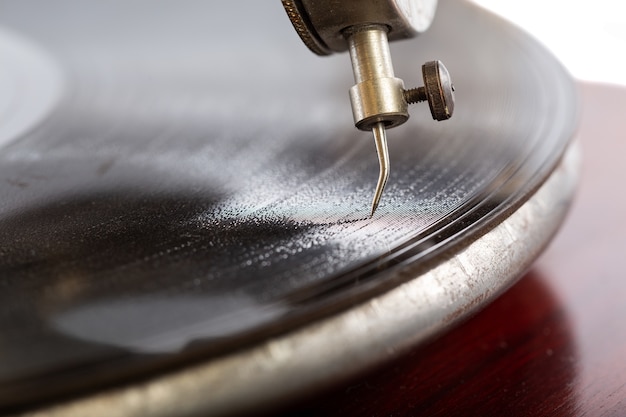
(199, 184)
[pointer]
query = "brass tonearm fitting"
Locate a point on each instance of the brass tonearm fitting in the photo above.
(364, 27)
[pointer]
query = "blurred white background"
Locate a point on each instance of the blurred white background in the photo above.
(589, 37)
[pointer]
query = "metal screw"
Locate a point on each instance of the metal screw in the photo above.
(438, 90)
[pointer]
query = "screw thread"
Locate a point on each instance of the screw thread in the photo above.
(415, 95)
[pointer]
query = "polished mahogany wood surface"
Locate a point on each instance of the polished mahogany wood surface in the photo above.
(555, 343)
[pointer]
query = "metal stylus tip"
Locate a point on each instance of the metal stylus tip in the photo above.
(380, 139)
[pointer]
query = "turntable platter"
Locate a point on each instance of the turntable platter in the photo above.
(195, 187)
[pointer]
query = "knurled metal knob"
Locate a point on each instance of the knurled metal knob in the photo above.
(438, 90)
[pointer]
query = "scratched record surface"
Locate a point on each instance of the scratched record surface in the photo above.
(182, 182)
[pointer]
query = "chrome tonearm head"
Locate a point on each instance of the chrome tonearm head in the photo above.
(364, 28)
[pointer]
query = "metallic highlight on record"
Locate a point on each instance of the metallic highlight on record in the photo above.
(287, 367)
(182, 206)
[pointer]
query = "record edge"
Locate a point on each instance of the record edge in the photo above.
(371, 333)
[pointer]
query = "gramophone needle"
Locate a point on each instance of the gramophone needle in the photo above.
(380, 139)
